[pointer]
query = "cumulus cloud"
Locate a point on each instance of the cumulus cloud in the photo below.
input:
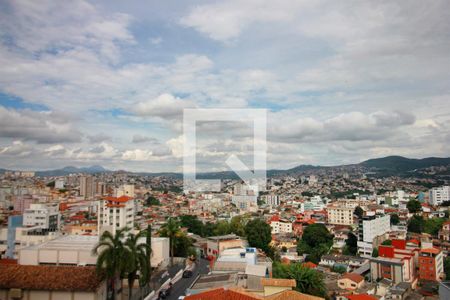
(43, 127)
(137, 139)
(165, 106)
(351, 126)
(18, 148)
(99, 137)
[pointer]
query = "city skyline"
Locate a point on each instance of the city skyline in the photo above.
(104, 83)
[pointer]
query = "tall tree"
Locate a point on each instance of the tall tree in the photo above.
(359, 212)
(309, 281)
(395, 219)
(413, 206)
(259, 234)
(416, 224)
(137, 260)
(237, 225)
(317, 234)
(111, 258)
(351, 244)
(171, 230)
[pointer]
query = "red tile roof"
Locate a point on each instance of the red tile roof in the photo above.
(49, 278)
(430, 250)
(223, 294)
(292, 295)
(353, 277)
(121, 199)
(310, 265)
(361, 297)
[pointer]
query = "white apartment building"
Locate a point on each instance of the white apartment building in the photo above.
(115, 213)
(272, 200)
(42, 215)
(315, 203)
(369, 228)
(280, 225)
(439, 195)
(339, 215)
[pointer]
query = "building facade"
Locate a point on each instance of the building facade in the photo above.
(115, 213)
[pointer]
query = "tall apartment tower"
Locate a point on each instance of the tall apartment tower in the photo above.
(115, 213)
(439, 195)
(87, 187)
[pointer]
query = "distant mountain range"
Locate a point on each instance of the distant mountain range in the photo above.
(72, 170)
(386, 166)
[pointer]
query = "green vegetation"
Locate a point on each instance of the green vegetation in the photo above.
(194, 225)
(309, 281)
(339, 269)
(316, 241)
(432, 226)
(416, 224)
(414, 206)
(118, 259)
(351, 245)
(359, 212)
(375, 252)
(387, 243)
(151, 200)
(447, 267)
(171, 230)
(395, 219)
(259, 235)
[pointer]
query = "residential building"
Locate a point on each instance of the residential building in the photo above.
(115, 213)
(216, 244)
(444, 233)
(43, 215)
(21, 203)
(272, 200)
(350, 281)
(431, 264)
(87, 188)
(279, 225)
(125, 190)
(396, 262)
(439, 195)
(369, 228)
(339, 215)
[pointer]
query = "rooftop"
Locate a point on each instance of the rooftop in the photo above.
(278, 282)
(50, 278)
(353, 277)
(68, 242)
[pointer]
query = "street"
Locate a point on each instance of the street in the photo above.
(179, 288)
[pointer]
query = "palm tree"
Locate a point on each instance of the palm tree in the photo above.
(171, 230)
(112, 254)
(137, 260)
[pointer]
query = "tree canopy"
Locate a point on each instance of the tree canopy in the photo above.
(395, 219)
(309, 281)
(259, 234)
(359, 212)
(413, 206)
(316, 241)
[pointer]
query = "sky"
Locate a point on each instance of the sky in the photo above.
(106, 82)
